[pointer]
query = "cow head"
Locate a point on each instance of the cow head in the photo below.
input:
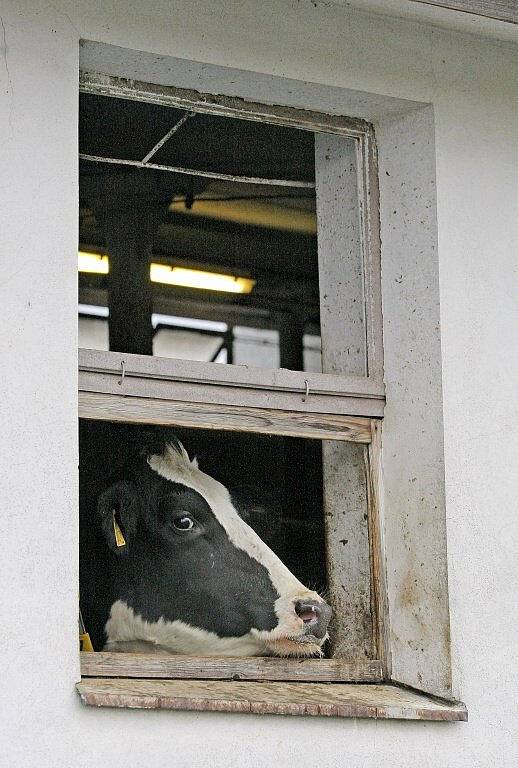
(191, 576)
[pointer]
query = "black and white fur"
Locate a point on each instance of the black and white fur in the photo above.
(216, 589)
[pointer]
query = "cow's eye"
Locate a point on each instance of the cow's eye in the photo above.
(184, 523)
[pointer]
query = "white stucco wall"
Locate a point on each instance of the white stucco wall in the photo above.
(473, 86)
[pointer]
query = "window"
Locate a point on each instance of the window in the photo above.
(289, 306)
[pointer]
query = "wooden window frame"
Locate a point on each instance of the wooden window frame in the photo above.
(339, 408)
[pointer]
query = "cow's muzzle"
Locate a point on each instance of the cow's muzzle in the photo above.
(315, 616)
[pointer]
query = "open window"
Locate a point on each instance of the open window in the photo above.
(229, 290)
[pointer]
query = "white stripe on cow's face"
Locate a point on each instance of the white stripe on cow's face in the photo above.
(176, 466)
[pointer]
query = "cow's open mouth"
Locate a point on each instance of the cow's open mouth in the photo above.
(308, 615)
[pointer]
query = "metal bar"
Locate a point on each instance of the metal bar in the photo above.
(205, 174)
(190, 329)
(168, 135)
(229, 345)
(216, 353)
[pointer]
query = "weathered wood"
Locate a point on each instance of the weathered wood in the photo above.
(324, 699)
(227, 668)
(229, 375)
(501, 10)
(344, 351)
(225, 106)
(379, 600)
(129, 213)
(347, 551)
(147, 376)
(197, 392)
(141, 410)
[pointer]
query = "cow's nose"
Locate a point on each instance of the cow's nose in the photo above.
(315, 615)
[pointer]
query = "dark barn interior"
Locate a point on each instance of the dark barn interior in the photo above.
(262, 231)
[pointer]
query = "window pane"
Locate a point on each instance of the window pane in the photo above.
(232, 252)
(256, 346)
(93, 332)
(186, 345)
(342, 305)
(312, 353)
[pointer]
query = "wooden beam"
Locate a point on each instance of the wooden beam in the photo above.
(291, 346)
(379, 598)
(347, 551)
(324, 699)
(501, 10)
(140, 665)
(245, 376)
(142, 410)
(214, 394)
(192, 240)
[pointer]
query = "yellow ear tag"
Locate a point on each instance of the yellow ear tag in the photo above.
(85, 644)
(119, 538)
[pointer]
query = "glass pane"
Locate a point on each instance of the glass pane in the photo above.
(187, 345)
(93, 332)
(312, 353)
(256, 346)
(342, 304)
(236, 249)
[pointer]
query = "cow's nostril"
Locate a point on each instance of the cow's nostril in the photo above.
(308, 611)
(315, 615)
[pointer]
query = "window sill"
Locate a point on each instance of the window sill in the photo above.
(364, 700)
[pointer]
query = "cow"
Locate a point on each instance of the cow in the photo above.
(184, 573)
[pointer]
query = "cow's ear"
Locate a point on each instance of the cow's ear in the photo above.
(119, 508)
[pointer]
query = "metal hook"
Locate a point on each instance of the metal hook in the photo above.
(306, 394)
(123, 373)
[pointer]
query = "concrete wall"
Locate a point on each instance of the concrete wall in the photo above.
(472, 84)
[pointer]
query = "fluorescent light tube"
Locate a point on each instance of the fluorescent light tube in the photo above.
(97, 263)
(197, 278)
(94, 263)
